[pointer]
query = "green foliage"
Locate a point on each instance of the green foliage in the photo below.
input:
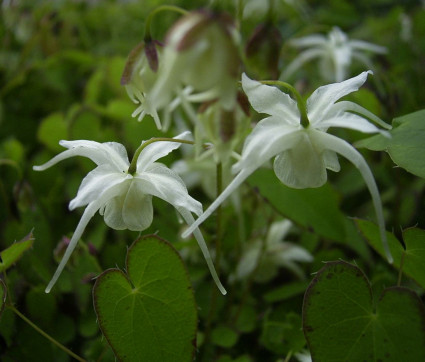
(406, 143)
(60, 69)
(13, 253)
(343, 322)
(409, 256)
(149, 312)
(3, 294)
(315, 209)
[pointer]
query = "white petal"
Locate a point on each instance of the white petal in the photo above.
(101, 153)
(278, 231)
(159, 149)
(95, 183)
(291, 252)
(364, 45)
(347, 106)
(87, 215)
(268, 138)
(349, 152)
(270, 100)
(341, 61)
(330, 159)
(138, 209)
(323, 98)
(158, 180)
(131, 209)
(111, 210)
(350, 121)
(302, 58)
(247, 263)
(187, 216)
(308, 41)
(301, 166)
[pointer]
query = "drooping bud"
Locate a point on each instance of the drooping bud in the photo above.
(200, 52)
(140, 70)
(139, 76)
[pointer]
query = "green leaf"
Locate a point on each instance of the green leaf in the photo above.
(286, 291)
(53, 129)
(281, 332)
(342, 323)
(148, 314)
(315, 209)
(14, 252)
(406, 143)
(224, 337)
(414, 254)
(3, 292)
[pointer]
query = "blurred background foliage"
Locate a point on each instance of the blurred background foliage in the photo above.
(60, 69)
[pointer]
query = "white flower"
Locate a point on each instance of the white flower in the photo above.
(200, 55)
(139, 77)
(124, 199)
(335, 51)
(266, 259)
(304, 152)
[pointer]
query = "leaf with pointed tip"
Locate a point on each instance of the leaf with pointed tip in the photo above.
(414, 254)
(148, 313)
(13, 253)
(406, 143)
(341, 322)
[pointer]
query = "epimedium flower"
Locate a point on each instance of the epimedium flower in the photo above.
(122, 192)
(139, 76)
(266, 257)
(200, 56)
(335, 51)
(295, 133)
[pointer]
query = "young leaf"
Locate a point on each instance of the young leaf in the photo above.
(414, 255)
(342, 323)
(406, 143)
(148, 313)
(14, 252)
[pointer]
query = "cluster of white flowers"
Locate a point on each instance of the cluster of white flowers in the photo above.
(199, 63)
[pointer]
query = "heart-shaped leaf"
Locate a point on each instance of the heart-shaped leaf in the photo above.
(412, 258)
(148, 314)
(342, 323)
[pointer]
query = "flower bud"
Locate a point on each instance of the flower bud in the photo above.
(139, 76)
(201, 52)
(139, 73)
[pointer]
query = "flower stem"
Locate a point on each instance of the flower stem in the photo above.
(300, 101)
(214, 291)
(159, 9)
(133, 164)
(44, 334)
